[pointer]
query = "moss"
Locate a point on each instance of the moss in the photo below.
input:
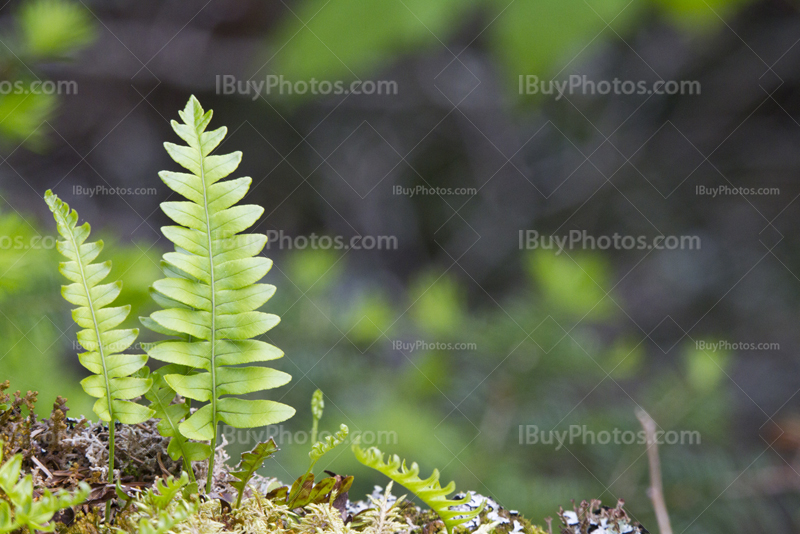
(84, 523)
(68, 451)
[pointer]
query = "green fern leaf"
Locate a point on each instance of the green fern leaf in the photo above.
(111, 383)
(251, 462)
(211, 293)
(429, 490)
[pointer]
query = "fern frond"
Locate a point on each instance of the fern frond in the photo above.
(211, 292)
(428, 490)
(111, 383)
(303, 487)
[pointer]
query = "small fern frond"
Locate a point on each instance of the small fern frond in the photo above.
(170, 414)
(321, 448)
(111, 382)
(210, 292)
(428, 490)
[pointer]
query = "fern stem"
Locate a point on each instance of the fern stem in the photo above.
(187, 466)
(100, 350)
(210, 477)
(209, 481)
(111, 431)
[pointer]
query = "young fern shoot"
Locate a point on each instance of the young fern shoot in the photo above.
(111, 383)
(212, 291)
(170, 415)
(429, 490)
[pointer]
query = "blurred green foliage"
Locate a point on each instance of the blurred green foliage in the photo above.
(53, 28)
(551, 355)
(348, 39)
(42, 31)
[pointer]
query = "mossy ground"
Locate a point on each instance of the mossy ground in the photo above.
(61, 452)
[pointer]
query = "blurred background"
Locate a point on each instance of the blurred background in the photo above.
(458, 338)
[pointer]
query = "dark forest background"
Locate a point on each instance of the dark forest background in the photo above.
(552, 340)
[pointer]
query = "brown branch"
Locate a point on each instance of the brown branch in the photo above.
(656, 491)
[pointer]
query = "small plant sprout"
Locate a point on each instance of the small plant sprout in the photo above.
(317, 407)
(304, 485)
(303, 490)
(164, 506)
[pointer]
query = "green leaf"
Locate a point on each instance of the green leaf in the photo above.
(428, 490)
(321, 489)
(18, 507)
(573, 283)
(22, 115)
(7, 523)
(211, 292)
(168, 490)
(301, 491)
(9, 472)
(251, 462)
(111, 383)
